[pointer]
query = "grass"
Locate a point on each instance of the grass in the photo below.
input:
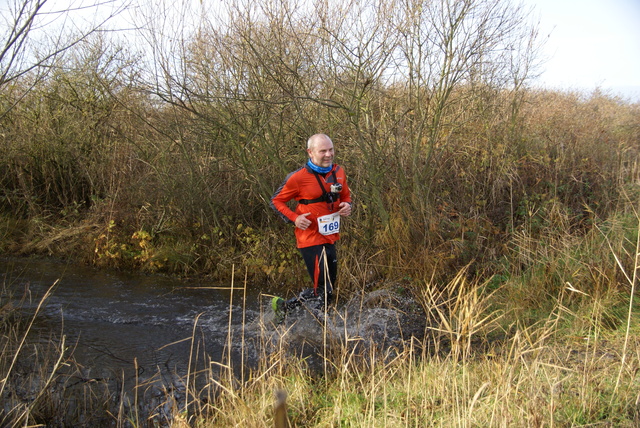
(537, 348)
(573, 361)
(541, 375)
(537, 376)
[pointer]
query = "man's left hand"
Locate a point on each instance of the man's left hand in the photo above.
(345, 208)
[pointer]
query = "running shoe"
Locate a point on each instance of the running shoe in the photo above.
(279, 309)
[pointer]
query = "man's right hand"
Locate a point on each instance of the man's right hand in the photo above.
(302, 222)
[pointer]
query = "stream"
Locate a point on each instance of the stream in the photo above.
(127, 329)
(128, 323)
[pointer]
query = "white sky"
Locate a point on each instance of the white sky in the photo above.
(591, 44)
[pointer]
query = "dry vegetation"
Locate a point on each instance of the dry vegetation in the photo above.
(511, 212)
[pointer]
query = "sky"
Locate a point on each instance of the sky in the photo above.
(591, 44)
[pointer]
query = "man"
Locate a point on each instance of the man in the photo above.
(321, 190)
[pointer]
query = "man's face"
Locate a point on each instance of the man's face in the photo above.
(321, 153)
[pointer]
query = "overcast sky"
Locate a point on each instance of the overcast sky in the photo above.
(591, 43)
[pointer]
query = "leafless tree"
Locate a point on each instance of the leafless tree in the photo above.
(390, 79)
(35, 33)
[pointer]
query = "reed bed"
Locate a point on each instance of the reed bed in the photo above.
(475, 366)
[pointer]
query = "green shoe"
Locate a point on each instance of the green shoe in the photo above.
(279, 309)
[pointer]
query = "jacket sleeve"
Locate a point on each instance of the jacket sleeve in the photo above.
(287, 191)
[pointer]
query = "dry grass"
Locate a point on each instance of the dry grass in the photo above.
(555, 342)
(477, 367)
(538, 376)
(575, 363)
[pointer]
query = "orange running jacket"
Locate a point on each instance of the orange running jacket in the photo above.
(303, 184)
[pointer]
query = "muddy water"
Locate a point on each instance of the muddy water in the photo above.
(131, 329)
(118, 321)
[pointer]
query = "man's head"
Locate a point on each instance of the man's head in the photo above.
(320, 150)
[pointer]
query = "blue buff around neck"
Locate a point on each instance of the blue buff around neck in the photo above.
(319, 169)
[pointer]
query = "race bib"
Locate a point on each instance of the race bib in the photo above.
(329, 224)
